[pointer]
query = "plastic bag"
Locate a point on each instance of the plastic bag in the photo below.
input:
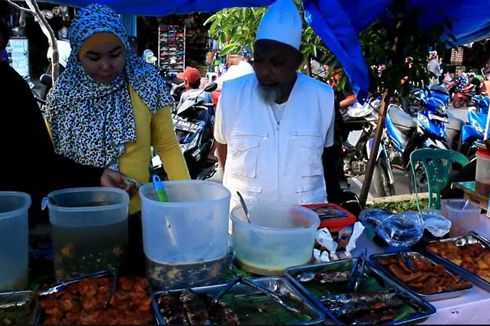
(401, 229)
(435, 223)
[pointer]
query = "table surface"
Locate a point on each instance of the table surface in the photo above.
(477, 193)
(470, 308)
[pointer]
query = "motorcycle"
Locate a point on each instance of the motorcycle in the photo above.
(464, 97)
(475, 128)
(404, 134)
(357, 150)
(194, 124)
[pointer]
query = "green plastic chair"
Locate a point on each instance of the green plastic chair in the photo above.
(437, 164)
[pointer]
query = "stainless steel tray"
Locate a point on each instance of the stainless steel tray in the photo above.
(18, 308)
(278, 285)
(477, 280)
(427, 296)
(423, 308)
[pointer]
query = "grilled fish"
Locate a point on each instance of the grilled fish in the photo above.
(324, 276)
(351, 303)
(172, 310)
(195, 308)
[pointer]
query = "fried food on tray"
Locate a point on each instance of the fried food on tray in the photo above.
(426, 277)
(474, 257)
(83, 303)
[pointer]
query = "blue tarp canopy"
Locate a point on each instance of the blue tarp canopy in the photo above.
(337, 22)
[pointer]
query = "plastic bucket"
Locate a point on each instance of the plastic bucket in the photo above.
(279, 236)
(89, 229)
(14, 255)
(191, 227)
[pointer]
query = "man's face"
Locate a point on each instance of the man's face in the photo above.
(104, 62)
(274, 64)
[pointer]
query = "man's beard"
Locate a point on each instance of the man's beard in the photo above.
(269, 93)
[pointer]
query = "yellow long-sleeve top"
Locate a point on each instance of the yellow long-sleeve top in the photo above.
(151, 129)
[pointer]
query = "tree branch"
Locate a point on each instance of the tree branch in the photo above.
(48, 31)
(19, 7)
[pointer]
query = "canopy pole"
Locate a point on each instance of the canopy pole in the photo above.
(374, 150)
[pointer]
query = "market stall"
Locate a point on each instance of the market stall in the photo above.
(311, 276)
(280, 269)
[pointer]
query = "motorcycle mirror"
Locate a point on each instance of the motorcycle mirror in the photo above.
(210, 87)
(46, 79)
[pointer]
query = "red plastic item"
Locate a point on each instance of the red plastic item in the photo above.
(332, 216)
(483, 153)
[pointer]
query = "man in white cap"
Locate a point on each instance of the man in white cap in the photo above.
(272, 126)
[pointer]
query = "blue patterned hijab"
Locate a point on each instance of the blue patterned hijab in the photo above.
(91, 121)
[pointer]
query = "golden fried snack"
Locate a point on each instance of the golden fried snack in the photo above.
(83, 303)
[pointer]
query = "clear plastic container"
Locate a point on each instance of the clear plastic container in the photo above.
(482, 176)
(187, 234)
(192, 226)
(463, 219)
(14, 255)
(89, 229)
(281, 235)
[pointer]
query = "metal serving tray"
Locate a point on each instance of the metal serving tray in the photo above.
(17, 308)
(458, 269)
(424, 309)
(278, 285)
(434, 296)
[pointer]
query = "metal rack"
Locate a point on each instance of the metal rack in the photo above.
(171, 47)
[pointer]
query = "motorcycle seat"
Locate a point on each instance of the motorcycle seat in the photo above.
(402, 120)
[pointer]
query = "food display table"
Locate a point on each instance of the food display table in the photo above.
(471, 308)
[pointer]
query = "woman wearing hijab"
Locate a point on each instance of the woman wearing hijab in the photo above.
(29, 163)
(109, 106)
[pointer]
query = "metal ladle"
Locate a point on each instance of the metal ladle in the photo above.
(244, 206)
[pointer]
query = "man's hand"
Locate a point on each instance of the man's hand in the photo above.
(111, 178)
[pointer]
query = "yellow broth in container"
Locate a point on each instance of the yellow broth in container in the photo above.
(280, 235)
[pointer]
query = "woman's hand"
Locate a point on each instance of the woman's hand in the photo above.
(112, 178)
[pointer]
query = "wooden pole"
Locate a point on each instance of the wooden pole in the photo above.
(374, 151)
(485, 135)
(308, 66)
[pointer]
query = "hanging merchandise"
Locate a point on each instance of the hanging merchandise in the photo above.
(171, 47)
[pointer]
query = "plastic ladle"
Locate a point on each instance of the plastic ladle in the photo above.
(244, 206)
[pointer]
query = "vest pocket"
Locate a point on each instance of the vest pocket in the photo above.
(311, 191)
(309, 149)
(243, 155)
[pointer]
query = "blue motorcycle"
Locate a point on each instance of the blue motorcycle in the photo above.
(475, 128)
(405, 134)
